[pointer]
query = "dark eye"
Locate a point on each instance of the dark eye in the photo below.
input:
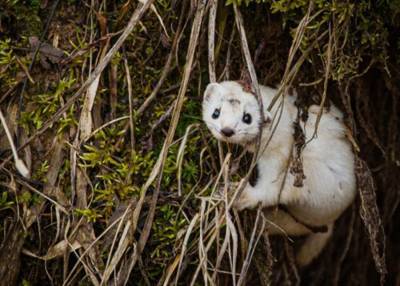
(215, 115)
(246, 118)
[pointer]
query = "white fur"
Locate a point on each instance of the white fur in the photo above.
(329, 186)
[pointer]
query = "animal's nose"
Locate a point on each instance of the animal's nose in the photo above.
(228, 132)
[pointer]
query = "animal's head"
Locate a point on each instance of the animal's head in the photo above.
(231, 113)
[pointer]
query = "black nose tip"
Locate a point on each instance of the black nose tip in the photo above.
(227, 132)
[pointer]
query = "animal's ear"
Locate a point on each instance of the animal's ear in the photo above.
(211, 89)
(268, 117)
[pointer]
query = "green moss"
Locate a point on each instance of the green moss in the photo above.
(5, 202)
(43, 105)
(22, 16)
(90, 214)
(8, 65)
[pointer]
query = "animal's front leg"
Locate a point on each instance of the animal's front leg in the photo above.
(262, 189)
(247, 199)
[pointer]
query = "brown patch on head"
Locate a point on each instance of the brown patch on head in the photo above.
(234, 101)
(267, 120)
(246, 86)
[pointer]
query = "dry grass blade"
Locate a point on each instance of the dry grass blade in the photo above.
(60, 207)
(211, 40)
(86, 232)
(207, 248)
(25, 69)
(108, 124)
(252, 246)
(19, 164)
(154, 9)
(57, 250)
(208, 232)
(184, 246)
(222, 251)
(124, 242)
(256, 89)
(248, 58)
(170, 270)
(69, 278)
(201, 247)
(85, 121)
(180, 155)
(233, 253)
(131, 120)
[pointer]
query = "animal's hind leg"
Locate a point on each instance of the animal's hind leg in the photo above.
(280, 222)
(313, 246)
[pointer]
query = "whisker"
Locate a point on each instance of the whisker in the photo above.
(246, 133)
(211, 124)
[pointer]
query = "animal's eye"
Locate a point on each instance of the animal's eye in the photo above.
(215, 114)
(246, 118)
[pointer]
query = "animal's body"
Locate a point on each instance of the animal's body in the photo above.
(328, 186)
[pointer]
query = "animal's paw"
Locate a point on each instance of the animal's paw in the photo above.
(231, 186)
(229, 189)
(246, 200)
(303, 258)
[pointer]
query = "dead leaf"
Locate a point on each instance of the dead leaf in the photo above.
(102, 23)
(370, 215)
(55, 251)
(60, 249)
(47, 53)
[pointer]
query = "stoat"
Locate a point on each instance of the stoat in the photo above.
(328, 186)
